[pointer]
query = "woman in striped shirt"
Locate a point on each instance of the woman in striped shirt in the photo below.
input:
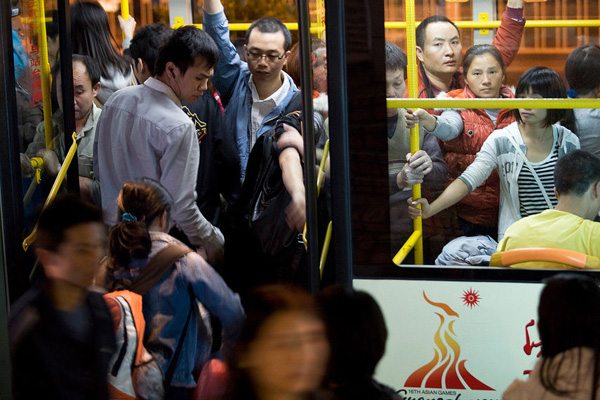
(524, 153)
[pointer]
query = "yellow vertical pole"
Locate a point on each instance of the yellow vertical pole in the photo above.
(125, 9)
(320, 18)
(44, 71)
(413, 86)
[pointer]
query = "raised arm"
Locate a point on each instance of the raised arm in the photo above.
(230, 66)
(509, 33)
(212, 6)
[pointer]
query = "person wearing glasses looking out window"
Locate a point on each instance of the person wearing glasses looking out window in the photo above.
(254, 93)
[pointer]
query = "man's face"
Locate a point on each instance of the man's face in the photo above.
(442, 53)
(191, 85)
(78, 256)
(266, 55)
(320, 70)
(83, 91)
(394, 87)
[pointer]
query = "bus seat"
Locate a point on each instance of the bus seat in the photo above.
(568, 258)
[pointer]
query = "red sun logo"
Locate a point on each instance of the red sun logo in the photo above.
(471, 298)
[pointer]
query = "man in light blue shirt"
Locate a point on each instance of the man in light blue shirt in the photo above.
(255, 94)
(143, 132)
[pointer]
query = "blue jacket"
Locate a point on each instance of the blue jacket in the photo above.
(167, 304)
(231, 80)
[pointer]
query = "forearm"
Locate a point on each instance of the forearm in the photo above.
(454, 193)
(291, 172)
(514, 3)
(212, 6)
(449, 126)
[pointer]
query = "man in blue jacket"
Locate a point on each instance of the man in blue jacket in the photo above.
(255, 93)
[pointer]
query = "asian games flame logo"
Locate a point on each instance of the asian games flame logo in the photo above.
(446, 370)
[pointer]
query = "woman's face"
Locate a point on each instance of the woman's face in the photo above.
(532, 115)
(485, 76)
(289, 355)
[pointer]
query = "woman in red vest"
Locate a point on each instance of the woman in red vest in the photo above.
(464, 131)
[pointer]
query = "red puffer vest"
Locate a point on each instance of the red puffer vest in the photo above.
(481, 205)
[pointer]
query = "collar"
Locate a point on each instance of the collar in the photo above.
(276, 97)
(91, 122)
(160, 86)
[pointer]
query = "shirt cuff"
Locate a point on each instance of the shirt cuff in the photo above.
(515, 14)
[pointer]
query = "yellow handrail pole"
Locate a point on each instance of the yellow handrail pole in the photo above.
(416, 239)
(125, 9)
(495, 24)
(55, 187)
(407, 247)
(493, 103)
(321, 177)
(325, 248)
(45, 73)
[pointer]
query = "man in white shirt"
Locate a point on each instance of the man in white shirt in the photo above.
(143, 132)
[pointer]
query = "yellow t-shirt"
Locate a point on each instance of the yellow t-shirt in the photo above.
(552, 229)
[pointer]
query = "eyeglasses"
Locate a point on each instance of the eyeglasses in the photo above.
(254, 56)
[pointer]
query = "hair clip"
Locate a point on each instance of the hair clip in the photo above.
(128, 217)
(572, 93)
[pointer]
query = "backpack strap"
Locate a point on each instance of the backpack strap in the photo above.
(157, 267)
(175, 359)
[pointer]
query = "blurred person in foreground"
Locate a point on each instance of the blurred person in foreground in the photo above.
(569, 328)
(61, 332)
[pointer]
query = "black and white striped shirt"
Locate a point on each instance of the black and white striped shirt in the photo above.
(531, 198)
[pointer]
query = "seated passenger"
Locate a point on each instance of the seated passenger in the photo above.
(91, 36)
(569, 328)
(86, 84)
(61, 333)
(168, 307)
(463, 133)
(582, 71)
(570, 225)
(524, 153)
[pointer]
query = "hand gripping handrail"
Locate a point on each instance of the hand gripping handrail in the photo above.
(55, 187)
(416, 239)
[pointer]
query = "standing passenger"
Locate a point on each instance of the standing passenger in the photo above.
(255, 94)
(61, 333)
(91, 36)
(169, 306)
(582, 71)
(143, 132)
(439, 49)
(524, 154)
(464, 132)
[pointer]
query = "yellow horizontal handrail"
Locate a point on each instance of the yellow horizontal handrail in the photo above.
(493, 103)
(559, 23)
(55, 187)
(564, 23)
(243, 26)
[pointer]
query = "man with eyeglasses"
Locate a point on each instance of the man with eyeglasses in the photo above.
(255, 93)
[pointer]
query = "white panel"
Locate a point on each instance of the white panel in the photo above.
(489, 332)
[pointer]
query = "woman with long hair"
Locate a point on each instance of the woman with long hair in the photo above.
(91, 36)
(463, 132)
(524, 154)
(569, 328)
(171, 304)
